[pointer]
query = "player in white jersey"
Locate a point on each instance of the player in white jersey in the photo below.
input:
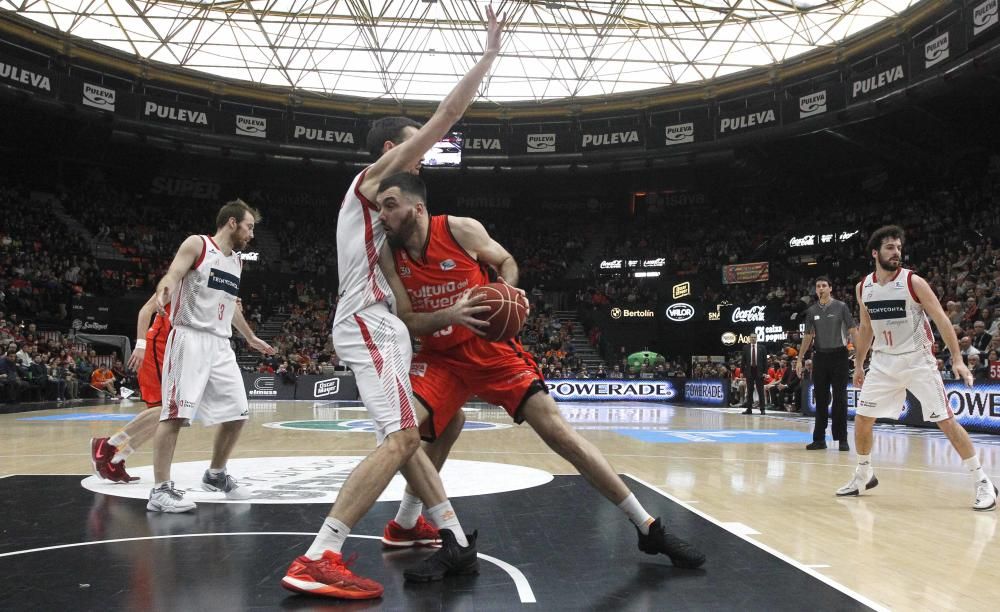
(894, 306)
(370, 336)
(200, 376)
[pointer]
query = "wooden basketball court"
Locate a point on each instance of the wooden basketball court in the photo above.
(742, 487)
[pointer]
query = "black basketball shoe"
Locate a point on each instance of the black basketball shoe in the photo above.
(450, 560)
(660, 541)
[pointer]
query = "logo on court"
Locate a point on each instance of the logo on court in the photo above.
(365, 425)
(323, 388)
(318, 480)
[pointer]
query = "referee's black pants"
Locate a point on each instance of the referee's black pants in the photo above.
(830, 370)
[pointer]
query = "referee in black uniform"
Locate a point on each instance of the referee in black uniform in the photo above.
(828, 322)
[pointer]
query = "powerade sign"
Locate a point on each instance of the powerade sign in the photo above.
(709, 392)
(597, 390)
(977, 407)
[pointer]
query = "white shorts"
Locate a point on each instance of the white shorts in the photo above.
(375, 344)
(201, 378)
(891, 376)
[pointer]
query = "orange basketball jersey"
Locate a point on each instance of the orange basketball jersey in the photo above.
(445, 271)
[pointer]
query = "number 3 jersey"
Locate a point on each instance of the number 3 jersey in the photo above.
(439, 280)
(898, 319)
(205, 299)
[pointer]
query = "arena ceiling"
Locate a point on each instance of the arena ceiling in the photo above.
(417, 49)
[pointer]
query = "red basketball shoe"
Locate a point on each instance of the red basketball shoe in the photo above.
(329, 577)
(422, 534)
(101, 453)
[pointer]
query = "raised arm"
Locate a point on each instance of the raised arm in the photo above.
(406, 155)
(462, 312)
(184, 260)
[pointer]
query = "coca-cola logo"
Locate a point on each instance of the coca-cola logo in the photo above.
(754, 314)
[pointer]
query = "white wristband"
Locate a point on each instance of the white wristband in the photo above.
(140, 344)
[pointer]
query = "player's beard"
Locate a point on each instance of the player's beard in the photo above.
(889, 265)
(239, 242)
(399, 236)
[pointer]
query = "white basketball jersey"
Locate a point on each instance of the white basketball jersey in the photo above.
(206, 298)
(360, 235)
(897, 317)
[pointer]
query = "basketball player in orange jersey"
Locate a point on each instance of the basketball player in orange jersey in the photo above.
(370, 337)
(108, 455)
(200, 376)
(437, 259)
(895, 304)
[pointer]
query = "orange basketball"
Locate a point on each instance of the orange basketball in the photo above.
(508, 310)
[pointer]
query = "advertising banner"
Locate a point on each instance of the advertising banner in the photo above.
(675, 128)
(597, 390)
(610, 134)
(877, 81)
(976, 408)
(818, 97)
(330, 132)
(742, 120)
(982, 19)
(484, 140)
(267, 386)
(745, 273)
(25, 75)
(179, 114)
(326, 388)
(708, 392)
(544, 139)
(98, 315)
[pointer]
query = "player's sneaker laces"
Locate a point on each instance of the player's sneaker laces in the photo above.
(226, 484)
(165, 498)
(450, 560)
(329, 576)
(861, 481)
(660, 541)
(986, 496)
(422, 534)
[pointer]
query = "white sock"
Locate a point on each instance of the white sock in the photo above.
(409, 511)
(636, 513)
(122, 454)
(865, 462)
(331, 536)
(214, 472)
(972, 464)
(444, 517)
(119, 439)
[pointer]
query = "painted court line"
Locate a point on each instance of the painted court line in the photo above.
(520, 581)
(805, 568)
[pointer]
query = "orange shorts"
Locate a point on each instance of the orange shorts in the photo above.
(500, 373)
(151, 368)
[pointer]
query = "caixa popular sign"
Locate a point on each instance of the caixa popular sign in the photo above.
(571, 389)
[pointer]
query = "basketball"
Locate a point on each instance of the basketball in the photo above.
(508, 310)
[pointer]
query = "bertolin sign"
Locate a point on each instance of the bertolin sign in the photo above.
(747, 121)
(96, 96)
(878, 81)
(610, 139)
(247, 125)
(541, 143)
(984, 16)
(936, 51)
(812, 104)
(576, 390)
(681, 133)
